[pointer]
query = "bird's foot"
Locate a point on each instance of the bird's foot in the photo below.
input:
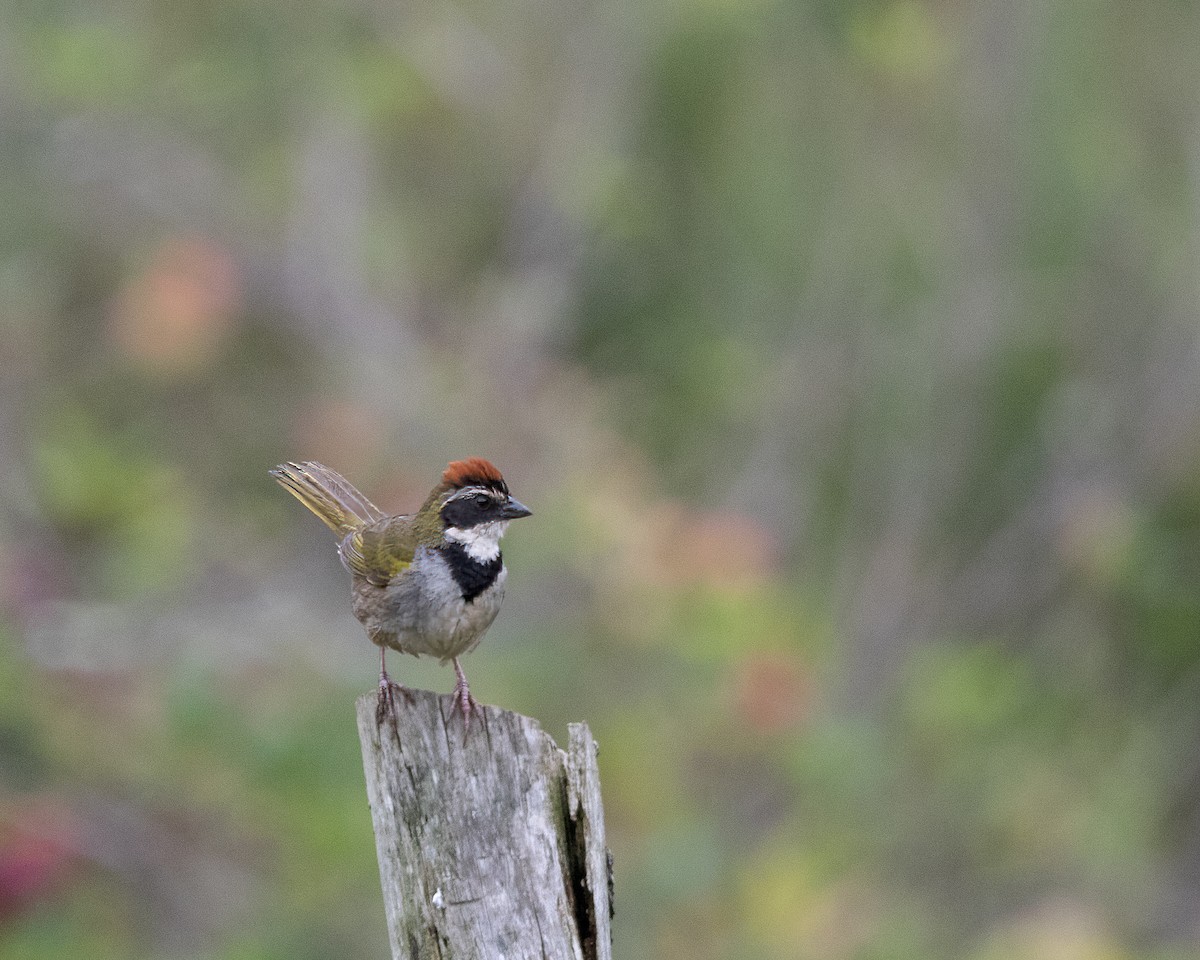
(386, 707)
(463, 701)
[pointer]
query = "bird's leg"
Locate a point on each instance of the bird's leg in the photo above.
(387, 694)
(463, 700)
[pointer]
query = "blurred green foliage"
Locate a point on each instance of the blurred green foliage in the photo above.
(846, 353)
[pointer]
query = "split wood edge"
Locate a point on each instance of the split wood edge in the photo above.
(493, 848)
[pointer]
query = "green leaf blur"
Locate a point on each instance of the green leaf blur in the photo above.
(846, 354)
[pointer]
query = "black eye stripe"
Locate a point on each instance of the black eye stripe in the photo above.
(472, 505)
(464, 513)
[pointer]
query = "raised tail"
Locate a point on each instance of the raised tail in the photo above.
(327, 494)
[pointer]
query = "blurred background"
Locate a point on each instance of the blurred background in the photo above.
(847, 352)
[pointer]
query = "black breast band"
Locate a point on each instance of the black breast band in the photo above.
(471, 576)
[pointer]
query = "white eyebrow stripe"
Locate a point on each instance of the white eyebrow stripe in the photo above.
(473, 490)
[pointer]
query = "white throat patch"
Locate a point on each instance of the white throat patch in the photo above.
(482, 541)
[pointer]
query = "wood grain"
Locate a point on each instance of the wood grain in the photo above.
(490, 849)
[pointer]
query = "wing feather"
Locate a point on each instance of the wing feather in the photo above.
(381, 551)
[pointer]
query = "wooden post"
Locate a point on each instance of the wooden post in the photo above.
(494, 849)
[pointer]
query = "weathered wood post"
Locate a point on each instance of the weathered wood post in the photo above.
(494, 849)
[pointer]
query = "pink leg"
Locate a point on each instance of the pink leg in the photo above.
(463, 700)
(387, 693)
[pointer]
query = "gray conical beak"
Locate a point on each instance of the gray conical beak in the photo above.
(514, 510)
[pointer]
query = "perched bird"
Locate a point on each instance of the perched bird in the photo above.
(429, 583)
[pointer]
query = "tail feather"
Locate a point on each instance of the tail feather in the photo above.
(327, 494)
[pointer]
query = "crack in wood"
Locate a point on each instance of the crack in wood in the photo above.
(487, 823)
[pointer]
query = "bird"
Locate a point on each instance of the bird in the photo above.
(428, 583)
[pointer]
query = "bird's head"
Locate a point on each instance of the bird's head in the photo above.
(475, 507)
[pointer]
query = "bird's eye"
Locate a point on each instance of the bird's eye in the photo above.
(482, 499)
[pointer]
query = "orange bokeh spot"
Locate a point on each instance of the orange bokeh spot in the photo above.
(772, 692)
(175, 315)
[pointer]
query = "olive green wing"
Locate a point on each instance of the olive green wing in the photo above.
(381, 551)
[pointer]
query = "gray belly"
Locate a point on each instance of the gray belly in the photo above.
(424, 613)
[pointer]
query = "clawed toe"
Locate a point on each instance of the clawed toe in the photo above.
(466, 704)
(463, 701)
(386, 706)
